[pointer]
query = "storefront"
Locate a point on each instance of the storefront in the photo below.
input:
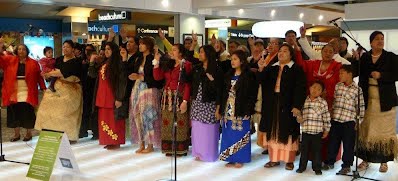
(35, 33)
(153, 31)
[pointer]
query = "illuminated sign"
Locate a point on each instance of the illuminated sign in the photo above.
(114, 15)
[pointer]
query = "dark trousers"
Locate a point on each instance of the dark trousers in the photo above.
(341, 132)
(313, 141)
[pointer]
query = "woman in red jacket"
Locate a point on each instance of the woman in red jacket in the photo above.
(170, 71)
(19, 90)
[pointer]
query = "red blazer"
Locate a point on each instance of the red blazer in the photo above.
(32, 77)
(171, 78)
(330, 78)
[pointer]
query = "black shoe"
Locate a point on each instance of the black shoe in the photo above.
(265, 152)
(300, 170)
(327, 167)
(83, 135)
(15, 139)
(344, 171)
(318, 172)
(27, 139)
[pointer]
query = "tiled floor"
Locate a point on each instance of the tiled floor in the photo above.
(97, 163)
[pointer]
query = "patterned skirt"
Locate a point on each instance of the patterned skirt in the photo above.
(62, 110)
(378, 141)
(236, 142)
(183, 125)
(145, 114)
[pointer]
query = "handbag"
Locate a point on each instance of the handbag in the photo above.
(122, 112)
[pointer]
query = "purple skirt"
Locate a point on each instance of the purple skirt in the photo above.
(205, 139)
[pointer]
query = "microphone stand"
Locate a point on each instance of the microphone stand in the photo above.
(355, 174)
(2, 156)
(174, 144)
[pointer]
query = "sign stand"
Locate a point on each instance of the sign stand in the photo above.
(52, 147)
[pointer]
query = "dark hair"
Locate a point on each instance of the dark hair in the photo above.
(374, 34)
(320, 83)
(26, 47)
(223, 43)
(291, 50)
(114, 65)
(46, 49)
(181, 49)
(78, 46)
(149, 42)
(242, 55)
(347, 68)
(70, 43)
(168, 62)
(211, 56)
(91, 46)
(235, 42)
(290, 31)
(344, 39)
(328, 45)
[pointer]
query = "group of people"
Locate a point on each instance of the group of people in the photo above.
(289, 90)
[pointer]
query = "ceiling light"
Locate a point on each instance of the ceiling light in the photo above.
(301, 15)
(241, 11)
(273, 12)
(320, 17)
(165, 3)
(278, 30)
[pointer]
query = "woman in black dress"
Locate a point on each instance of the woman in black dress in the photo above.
(62, 110)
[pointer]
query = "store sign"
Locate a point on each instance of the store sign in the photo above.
(101, 28)
(150, 31)
(218, 23)
(240, 34)
(114, 15)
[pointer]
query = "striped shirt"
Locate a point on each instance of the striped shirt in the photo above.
(346, 103)
(316, 116)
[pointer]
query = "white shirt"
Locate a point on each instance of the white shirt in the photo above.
(314, 55)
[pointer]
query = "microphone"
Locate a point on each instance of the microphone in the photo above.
(333, 20)
(182, 64)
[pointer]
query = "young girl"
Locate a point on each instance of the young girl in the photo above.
(206, 88)
(47, 65)
(237, 104)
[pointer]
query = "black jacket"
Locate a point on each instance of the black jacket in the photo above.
(129, 69)
(387, 65)
(210, 89)
(246, 93)
(148, 71)
(292, 95)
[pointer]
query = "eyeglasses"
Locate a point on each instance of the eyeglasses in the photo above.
(272, 43)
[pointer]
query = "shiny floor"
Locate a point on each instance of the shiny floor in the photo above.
(96, 163)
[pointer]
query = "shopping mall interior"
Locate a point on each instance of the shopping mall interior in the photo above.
(227, 25)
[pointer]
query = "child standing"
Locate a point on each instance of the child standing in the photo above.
(315, 124)
(47, 65)
(345, 107)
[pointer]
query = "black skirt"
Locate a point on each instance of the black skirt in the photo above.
(21, 114)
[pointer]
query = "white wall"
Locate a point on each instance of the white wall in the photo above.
(390, 39)
(370, 11)
(281, 13)
(189, 22)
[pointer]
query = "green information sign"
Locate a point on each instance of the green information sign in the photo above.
(45, 155)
